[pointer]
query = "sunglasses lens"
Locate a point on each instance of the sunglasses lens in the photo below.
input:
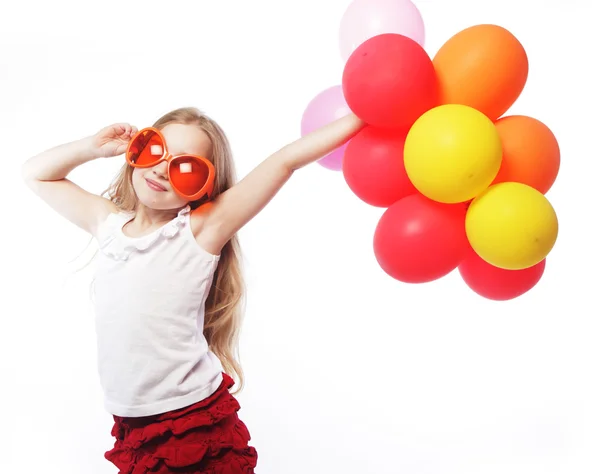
(188, 175)
(146, 149)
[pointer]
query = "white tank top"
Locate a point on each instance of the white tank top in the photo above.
(149, 295)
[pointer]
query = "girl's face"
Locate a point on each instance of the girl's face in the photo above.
(151, 185)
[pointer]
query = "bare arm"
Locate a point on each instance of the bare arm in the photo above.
(238, 205)
(46, 175)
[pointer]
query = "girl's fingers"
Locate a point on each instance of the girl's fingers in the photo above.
(122, 129)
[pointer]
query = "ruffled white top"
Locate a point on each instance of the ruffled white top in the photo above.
(149, 299)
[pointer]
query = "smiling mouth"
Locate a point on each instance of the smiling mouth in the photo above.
(155, 186)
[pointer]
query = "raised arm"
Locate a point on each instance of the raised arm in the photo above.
(46, 175)
(238, 205)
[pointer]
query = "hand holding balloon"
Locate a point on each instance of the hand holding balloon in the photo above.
(463, 184)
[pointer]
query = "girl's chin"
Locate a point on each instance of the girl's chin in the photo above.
(165, 204)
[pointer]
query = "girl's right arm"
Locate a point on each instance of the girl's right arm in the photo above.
(46, 175)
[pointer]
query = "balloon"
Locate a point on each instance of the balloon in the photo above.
(496, 283)
(365, 19)
(512, 226)
(374, 166)
(418, 240)
(483, 66)
(326, 107)
(531, 152)
(389, 81)
(452, 153)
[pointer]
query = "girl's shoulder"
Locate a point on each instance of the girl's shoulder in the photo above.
(198, 217)
(112, 223)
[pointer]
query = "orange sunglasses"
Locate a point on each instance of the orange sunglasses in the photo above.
(191, 176)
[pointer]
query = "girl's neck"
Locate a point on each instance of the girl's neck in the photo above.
(147, 218)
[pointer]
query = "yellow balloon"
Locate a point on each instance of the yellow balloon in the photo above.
(512, 226)
(452, 153)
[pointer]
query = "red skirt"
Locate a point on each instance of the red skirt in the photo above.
(207, 437)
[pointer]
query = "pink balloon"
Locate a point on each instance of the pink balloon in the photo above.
(325, 108)
(364, 19)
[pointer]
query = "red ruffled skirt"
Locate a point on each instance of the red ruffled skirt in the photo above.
(207, 437)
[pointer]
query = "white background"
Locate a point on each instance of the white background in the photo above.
(347, 370)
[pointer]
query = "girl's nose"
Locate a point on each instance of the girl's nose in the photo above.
(161, 169)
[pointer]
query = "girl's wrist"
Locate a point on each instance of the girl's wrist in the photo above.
(88, 148)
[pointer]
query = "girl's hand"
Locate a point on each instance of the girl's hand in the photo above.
(112, 140)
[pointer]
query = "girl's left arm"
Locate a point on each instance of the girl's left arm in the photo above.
(238, 205)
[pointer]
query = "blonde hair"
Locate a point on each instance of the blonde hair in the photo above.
(223, 315)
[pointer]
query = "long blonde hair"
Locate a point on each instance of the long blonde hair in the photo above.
(223, 315)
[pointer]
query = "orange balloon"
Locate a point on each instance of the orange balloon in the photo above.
(530, 152)
(484, 67)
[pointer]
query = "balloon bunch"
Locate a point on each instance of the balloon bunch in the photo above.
(463, 184)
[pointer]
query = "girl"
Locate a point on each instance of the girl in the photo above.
(167, 284)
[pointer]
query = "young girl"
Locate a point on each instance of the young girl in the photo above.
(168, 284)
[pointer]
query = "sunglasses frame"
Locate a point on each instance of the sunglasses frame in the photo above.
(208, 187)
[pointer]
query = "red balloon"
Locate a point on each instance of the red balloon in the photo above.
(418, 240)
(389, 81)
(373, 166)
(497, 283)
